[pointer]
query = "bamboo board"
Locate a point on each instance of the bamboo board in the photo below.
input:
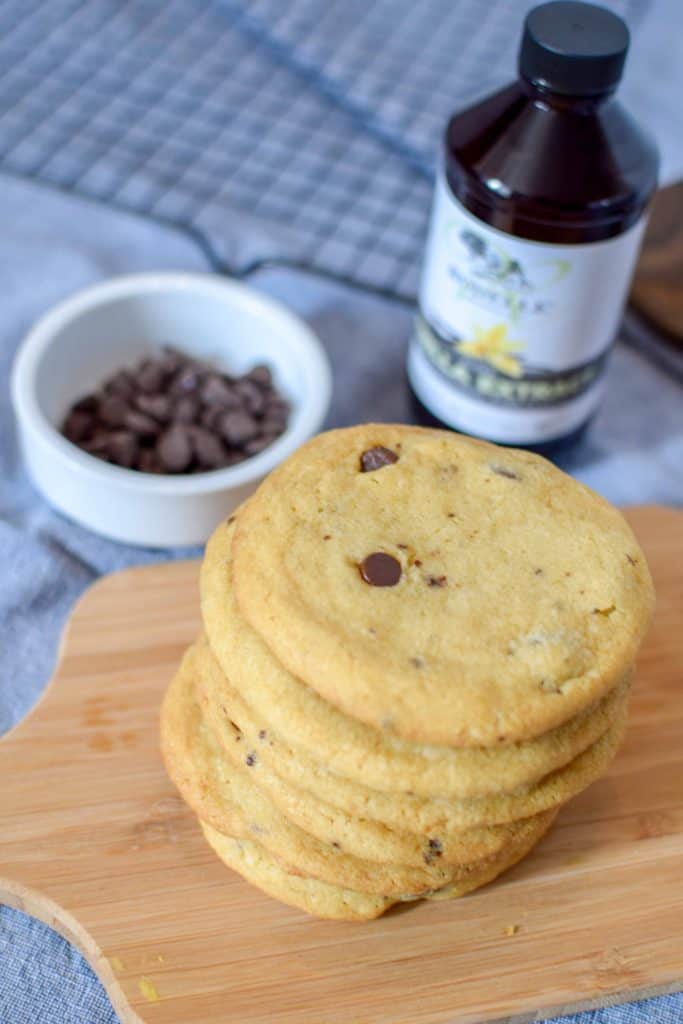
(95, 842)
(656, 290)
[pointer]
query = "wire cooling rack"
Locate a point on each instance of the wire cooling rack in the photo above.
(293, 132)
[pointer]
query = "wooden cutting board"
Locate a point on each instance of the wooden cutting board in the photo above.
(657, 290)
(95, 842)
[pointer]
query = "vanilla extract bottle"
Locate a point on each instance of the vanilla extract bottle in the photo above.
(538, 214)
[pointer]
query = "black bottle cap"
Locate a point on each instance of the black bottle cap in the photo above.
(573, 48)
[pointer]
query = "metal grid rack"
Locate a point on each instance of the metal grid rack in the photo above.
(295, 132)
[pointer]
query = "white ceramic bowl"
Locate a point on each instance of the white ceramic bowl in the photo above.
(73, 349)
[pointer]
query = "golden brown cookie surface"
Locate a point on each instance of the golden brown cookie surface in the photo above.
(457, 594)
(352, 749)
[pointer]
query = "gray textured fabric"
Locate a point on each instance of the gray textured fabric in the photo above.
(463, 50)
(302, 131)
(43, 980)
(664, 1010)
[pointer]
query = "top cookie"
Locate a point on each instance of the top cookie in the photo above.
(441, 588)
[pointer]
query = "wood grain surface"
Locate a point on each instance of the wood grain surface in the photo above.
(95, 841)
(657, 290)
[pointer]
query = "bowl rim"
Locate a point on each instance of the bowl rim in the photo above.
(41, 336)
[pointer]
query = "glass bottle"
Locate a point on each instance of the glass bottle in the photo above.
(538, 215)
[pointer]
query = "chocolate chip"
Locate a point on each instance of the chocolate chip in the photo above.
(174, 448)
(210, 417)
(78, 426)
(122, 448)
(112, 411)
(275, 415)
(97, 444)
(149, 462)
(174, 414)
(437, 581)
(141, 424)
(436, 847)
(255, 403)
(261, 375)
(233, 456)
(273, 426)
(504, 471)
(215, 391)
(380, 570)
(171, 360)
(278, 405)
(121, 384)
(186, 409)
(237, 427)
(377, 458)
(150, 377)
(157, 406)
(262, 734)
(89, 403)
(250, 759)
(256, 445)
(185, 381)
(207, 448)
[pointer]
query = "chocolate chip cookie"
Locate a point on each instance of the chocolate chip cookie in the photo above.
(453, 593)
(351, 749)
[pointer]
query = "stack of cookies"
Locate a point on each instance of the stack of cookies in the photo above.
(416, 648)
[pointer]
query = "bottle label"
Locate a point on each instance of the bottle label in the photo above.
(512, 335)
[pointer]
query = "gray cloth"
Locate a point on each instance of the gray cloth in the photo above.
(302, 131)
(51, 246)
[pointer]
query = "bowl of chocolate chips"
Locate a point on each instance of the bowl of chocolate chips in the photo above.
(150, 406)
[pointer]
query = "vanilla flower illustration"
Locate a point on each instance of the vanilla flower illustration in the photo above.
(494, 347)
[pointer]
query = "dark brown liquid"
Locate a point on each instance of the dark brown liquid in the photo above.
(550, 168)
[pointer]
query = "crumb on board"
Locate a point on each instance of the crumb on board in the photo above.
(148, 990)
(117, 963)
(511, 929)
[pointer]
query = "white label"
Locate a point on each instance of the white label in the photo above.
(512, 336)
